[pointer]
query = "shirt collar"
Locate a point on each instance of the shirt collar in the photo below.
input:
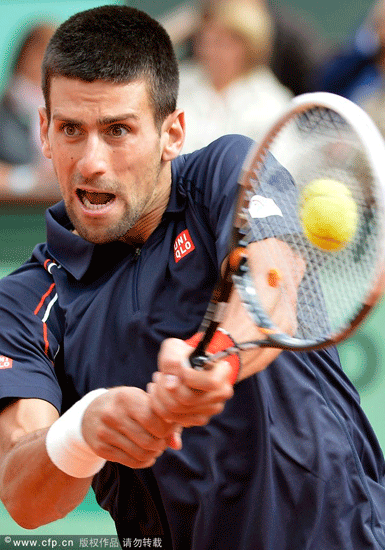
(71, 251)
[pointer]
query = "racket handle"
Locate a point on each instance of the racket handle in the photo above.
(201, 341)
(220, 341)
(198, 359)
(215, 339)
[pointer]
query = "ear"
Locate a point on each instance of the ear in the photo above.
(45, 145)
(172, 135)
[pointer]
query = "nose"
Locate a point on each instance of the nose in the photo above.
(93, 161)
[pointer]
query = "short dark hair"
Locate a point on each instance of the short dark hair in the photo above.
(117, 44)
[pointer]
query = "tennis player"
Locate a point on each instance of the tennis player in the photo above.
(93, 382)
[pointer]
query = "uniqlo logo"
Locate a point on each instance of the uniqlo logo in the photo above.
(183, 245)
(5, 362)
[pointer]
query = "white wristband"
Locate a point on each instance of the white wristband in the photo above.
(66, 446)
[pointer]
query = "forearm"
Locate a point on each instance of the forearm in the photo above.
(242, 328)
(32, 489)
(278, 299)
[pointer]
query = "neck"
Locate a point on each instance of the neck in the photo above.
(147, 223)
(142, 230)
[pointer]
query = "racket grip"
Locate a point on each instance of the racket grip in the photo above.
(197, 360)
(221, 341)
(198, 357)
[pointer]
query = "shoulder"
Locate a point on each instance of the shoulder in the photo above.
(207, 175)
(26, 288)
(206, 182)
(219, 157)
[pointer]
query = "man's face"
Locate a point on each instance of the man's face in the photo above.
(109, 157)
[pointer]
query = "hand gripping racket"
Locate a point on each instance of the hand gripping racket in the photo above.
(321, 136)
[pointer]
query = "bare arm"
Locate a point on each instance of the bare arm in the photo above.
(32, 489)
(119, 426)
(279, 301)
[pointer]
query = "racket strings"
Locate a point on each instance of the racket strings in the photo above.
(318, 144)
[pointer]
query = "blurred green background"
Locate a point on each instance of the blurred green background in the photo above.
(21, 227)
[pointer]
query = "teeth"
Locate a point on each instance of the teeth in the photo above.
(92, 206)
(95, 201)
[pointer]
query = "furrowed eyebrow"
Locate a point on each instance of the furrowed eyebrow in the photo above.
(119, 118)
(62, 118)
(104, 121)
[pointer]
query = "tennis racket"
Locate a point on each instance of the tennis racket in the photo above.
(320, 136)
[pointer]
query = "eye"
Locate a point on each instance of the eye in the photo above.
(70, 130)
(118, 130)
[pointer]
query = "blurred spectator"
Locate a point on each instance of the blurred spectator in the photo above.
(229, 87)
(298, 47)
(24, 171)
(375, 107)
(356, 71)
(371, 95)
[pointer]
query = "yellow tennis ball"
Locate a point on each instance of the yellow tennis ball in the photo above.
(328, 213)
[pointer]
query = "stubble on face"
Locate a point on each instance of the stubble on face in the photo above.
(141, 211)
(109, 158)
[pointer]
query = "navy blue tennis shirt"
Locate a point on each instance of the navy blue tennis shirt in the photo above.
(291, 463)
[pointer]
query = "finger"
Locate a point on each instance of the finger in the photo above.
(175, 439)
(135, 459)
(217, 377)
(171, 354)
(130, 432)
(170, 381)
(217, 388)
(183, 400)
(135, 420)
(118, 448)
(173, 412)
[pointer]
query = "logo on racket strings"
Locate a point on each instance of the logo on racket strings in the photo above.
(5, 362)
(263, 207)
(183, 245)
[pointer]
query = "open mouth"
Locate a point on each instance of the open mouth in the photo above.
(94, 200)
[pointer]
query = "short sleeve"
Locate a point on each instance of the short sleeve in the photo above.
(29, 336)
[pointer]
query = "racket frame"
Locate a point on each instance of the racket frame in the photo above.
(374, 147)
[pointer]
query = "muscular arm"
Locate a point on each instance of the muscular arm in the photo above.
(119, 425)
(279, 301)
(32, 489)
